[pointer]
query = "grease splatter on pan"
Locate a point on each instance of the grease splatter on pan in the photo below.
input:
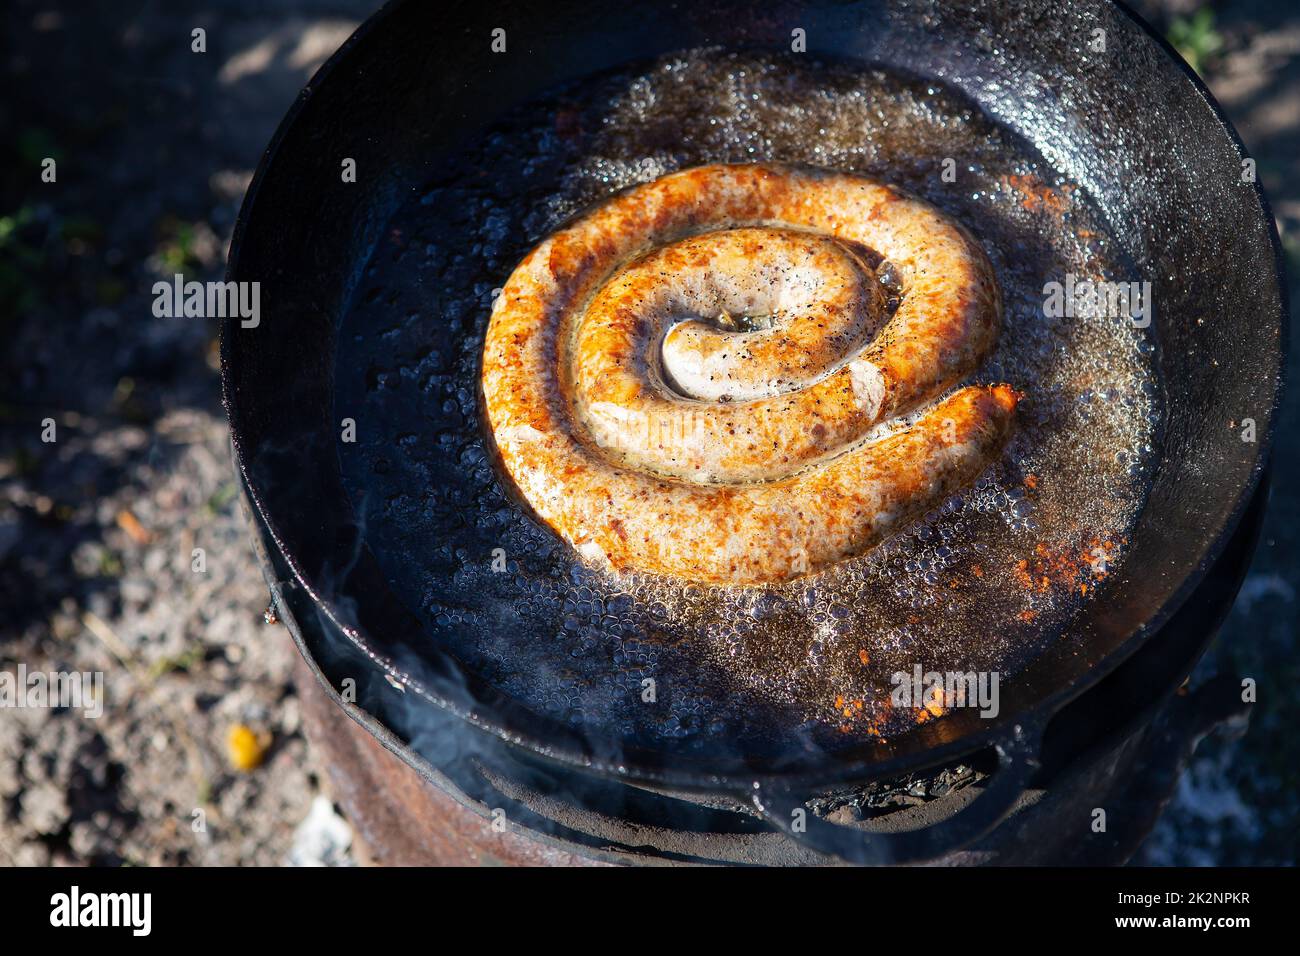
(983, 584)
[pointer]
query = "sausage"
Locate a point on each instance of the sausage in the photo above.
(687, 380)
(755, 391)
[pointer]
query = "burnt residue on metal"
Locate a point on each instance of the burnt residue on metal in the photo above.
(981, 585)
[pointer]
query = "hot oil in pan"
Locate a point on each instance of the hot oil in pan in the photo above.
(981, 585)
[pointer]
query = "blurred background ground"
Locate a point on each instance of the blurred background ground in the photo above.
(155, 145)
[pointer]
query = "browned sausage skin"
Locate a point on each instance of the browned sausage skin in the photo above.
(656, 429)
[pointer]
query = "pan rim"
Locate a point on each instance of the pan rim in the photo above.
(837, 767)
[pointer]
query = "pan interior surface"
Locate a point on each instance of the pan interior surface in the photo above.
(543, 653)
(981, 586)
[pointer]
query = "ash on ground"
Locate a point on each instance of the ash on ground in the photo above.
(198, 756)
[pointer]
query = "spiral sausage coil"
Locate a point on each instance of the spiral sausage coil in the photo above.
(685, 380)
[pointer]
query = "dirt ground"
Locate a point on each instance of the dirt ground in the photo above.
(155, 145)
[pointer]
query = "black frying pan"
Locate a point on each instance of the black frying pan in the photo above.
(1134, 127)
